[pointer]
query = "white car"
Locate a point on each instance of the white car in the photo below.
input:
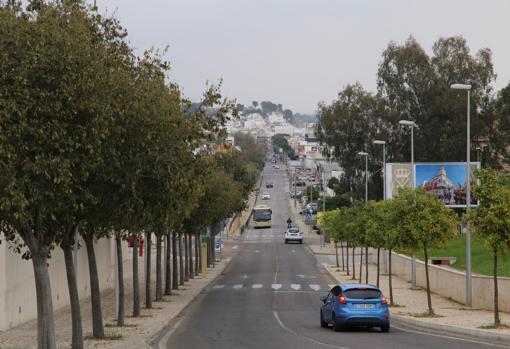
(266, 196)
(293, 234)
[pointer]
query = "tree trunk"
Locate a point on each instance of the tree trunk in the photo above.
(168, 266)
(95, 295)
(347, 257)
(136, 282)
(378, 264)
(343, 259)
(429, 300)
(336, 254)
(360, 264)
(198, 268)
(186, 256)
(45, 320)
(496, 300)
(366, 265)
(120, 274)
(159, 277)
(389, 278)
(190, 249)
(67, 246)
(181, 266)
(353, 263)
(175, 275)
(148, 271)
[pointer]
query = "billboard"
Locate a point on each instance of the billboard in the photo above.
(446, 180)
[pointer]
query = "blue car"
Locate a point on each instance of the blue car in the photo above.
(355, 305)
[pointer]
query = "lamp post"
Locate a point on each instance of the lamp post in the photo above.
(412, 125)
(365, 154)
(383, 143)
(467, 88)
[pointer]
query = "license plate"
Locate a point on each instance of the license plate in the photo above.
(364, 305)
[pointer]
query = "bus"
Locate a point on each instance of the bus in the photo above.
(262, 216)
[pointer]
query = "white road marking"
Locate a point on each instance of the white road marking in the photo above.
(256, 286)
(276, 286)
(218, 286)
(244, 276)
(293, 251)
(237, 287)
(295, 286)
(235, 247)
(257, 251)
(282, 325)
(450, 337)
(315, 287)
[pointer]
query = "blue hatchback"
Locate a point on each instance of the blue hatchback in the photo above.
(355, 305)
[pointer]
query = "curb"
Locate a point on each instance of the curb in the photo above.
(154, 340)
(465, 332)
(450, 329)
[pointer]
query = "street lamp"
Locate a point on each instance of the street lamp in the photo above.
(412, 125)
(383, 143)
(365, 154)
(467, 88)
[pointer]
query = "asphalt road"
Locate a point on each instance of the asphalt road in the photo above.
(269, 296)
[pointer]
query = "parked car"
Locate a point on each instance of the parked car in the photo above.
(266, 196)
(269, 185)
(355, 305)
(293, 234)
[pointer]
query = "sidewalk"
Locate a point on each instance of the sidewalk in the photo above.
(412, 304)
(139, 331)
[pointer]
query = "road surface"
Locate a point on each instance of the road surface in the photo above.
(269, 297)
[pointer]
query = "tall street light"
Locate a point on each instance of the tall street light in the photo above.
(365, 154)
(469, 297)
(383, 143)
(412, 125)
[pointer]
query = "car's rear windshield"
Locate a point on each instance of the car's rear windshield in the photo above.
(358, 293)
(293, 230)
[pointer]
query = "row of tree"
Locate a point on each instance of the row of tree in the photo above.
(413, 85)
(418, 220)
(96, 143)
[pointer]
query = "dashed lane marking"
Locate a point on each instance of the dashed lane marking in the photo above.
(276, 286)
(295, 286)
(237, 287)
(256, 286)
(315, 287)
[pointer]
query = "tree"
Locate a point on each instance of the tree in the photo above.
(280, 142)
(348, 125)
(376, 230)
(289, 116)
(491, 220)
(255, 104)
(416, 86)
(425, 223)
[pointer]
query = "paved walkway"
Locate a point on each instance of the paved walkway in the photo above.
(413, 303)
(138, 332)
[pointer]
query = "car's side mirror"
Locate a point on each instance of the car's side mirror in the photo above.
(323, 299)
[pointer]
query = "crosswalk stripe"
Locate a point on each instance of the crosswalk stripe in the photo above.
(237, 287)
(276, 286)
(256, 286)
(315, 287)
(295, 286)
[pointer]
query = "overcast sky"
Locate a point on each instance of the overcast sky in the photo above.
(300, 52)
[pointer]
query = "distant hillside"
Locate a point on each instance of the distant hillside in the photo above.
(265, 108)
(305, 118)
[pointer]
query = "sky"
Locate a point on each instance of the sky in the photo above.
(301, 52)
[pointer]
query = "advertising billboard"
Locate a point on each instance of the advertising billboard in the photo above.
(446, 180)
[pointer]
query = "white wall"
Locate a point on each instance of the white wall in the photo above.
(17, 287)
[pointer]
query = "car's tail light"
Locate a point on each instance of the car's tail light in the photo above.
(341, 299)
(383, 300)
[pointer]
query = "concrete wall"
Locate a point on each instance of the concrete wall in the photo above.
(17, 286)
(451, 283)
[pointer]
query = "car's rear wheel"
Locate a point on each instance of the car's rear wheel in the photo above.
(324, 324)
(300, 241)
(336, 326)
(286, 241)
(385, 328)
